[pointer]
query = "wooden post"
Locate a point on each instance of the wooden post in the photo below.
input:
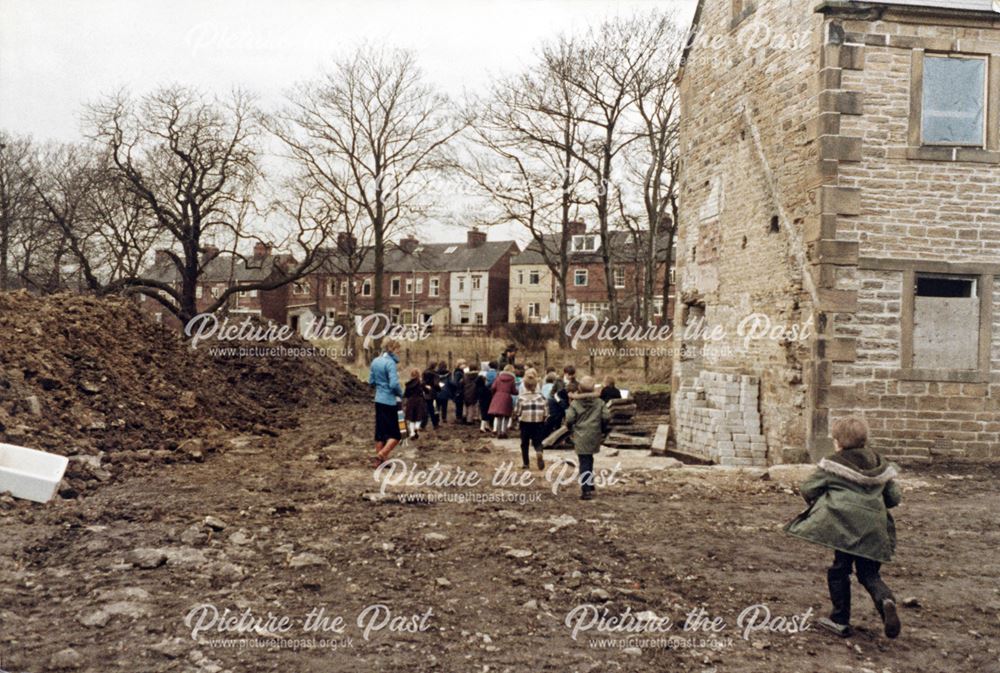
(545, 357)
(407, 356)
(645, 366)
(592, 366)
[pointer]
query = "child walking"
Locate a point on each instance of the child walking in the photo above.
(849, 498)
(504, 390)
(414, 404)
(589, 419)
(531, 410)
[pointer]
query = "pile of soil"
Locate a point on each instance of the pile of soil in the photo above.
(86, 375)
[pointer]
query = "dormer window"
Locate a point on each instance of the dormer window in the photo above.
(585, 243)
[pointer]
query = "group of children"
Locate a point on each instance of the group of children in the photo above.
(502, 394)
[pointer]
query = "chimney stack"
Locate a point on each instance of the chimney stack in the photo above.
(162, 256)
(210, 252)
(346, 242)
(475, 237)
(409, 244)
(261, 250)
(577, 227)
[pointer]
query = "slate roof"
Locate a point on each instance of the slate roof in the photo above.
(427, 257)
(223, 268)
(622, 250)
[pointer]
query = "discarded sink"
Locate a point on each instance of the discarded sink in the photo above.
(30, 474)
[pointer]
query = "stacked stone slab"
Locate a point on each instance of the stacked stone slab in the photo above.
(718, 419)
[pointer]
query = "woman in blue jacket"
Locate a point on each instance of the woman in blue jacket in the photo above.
(384, 378)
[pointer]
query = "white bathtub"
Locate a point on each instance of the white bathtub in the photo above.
(30, 474)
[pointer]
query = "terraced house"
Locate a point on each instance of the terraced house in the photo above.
(461, 285)
(841, 171)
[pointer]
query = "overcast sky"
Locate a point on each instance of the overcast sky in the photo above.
(57, 54)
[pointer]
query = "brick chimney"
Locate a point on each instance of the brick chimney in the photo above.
(162, 256)
(346, 242)
(576, 227)
(261, 250)
(211, 252)
(409, 244)
(475, 237)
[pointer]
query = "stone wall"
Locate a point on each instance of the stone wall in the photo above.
(916, 210)
(745, 193)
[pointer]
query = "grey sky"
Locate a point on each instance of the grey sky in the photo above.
(55, 55)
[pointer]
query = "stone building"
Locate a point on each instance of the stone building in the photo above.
(841, 174)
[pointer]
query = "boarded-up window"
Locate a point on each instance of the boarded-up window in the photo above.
(954, 101)
(945, 322)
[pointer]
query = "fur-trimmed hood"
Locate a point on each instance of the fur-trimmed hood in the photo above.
(881, 474)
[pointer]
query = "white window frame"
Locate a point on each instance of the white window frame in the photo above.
(366, 287)
(434, 287)
(616, 272)
(477, 282)
(535, 277)
(395, 286)
(576, 277)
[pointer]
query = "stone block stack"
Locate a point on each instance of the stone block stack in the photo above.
(718, 419)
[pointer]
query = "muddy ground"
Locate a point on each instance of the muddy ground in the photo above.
(103, 582)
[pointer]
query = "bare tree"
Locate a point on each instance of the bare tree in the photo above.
(524, 161)
(372, 135)
(19, 207)
(193, 162)
(602, 68)
(654, 162)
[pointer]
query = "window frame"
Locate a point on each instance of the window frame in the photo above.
(434, 287)
(395, 286)
(586, 277)
(989, 152)
(985, 281)
(984, 135)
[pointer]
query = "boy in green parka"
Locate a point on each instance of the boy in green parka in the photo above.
(849, 498)
(589, 419)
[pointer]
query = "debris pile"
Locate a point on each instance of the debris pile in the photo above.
(86, 376)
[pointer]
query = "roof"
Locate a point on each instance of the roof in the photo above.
(622, 249)
(427, 257)
(223, 268)
(969, 5)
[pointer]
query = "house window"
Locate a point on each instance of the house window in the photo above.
(585, 243)
(409, 286)
(248, 293)
(461, 283)
(658, 305)
(479, 318)
(533, 310)
(477, 282)
(199, 291)
(534, 277)
(159, 316)
(596, 309)
(394, 287)
(580, 277)
(672, 276)
(394, 314)
(463, 314)
(366, 288)
(331, 287)
(216, 291)
(953, 109)
(450, 249)
(300, 288)
(520, 277)
(331, 315)
(435, 287)
(945, 322)
(619, 277)
(420, 285)
(343, 288)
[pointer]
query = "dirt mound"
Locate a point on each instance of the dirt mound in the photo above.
(82, 375)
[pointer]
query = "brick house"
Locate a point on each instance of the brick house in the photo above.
(222, 270)
(450, 284)
(533, 288)
(846, 177)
